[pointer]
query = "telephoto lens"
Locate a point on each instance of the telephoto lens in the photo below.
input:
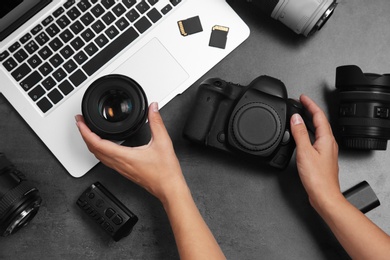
(19, 200)
(302, 16)
(115, 107)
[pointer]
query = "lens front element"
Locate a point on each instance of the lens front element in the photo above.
(115, 106)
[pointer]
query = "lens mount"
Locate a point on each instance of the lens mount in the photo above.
(114, 107)
(324, 18)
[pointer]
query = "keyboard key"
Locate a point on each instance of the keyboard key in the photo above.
(119, 9)
(129, 3)
(98, 26)
(65, 87)
(63, 21)
(34, 61)
(132, 15)
(101, 40)
(87, 35)
(108, 3)
(80, 57)
(152, 2)
(154, 15)
(142, 7)
(84, 5)
(175, 2)
(91, 49)
(121, 42)
(36, 93)
(66, 52)
(45, 52)
(69, 3)
(21, 72)
(48, 83)
(52, 30)
(56, 60)
(10, 64)
(76, 27)
(36, 29)
(31, 81)
(142, 24)
(45, 69)
(31, 47)
(108, 18)
(56, 44)
(44, 104)
(20, 55)
(112, 32)
(4, 55)
(77, 43)
(77, 78)
(73, 13)
(87, 19)
(122, 24)
(70, 66)
(97, 10)
(58, 12)
(55, 96)
(66, 36)
(59, 74)
(42, 38)
(48, 20)
(14, 47)
(25, 38)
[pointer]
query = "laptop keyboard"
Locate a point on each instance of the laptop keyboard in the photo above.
(74, 42)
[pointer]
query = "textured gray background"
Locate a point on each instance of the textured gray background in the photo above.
(255, 212)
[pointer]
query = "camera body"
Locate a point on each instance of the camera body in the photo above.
(248, 120)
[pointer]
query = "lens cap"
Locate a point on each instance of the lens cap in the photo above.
(114, 107)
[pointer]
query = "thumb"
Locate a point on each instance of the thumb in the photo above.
(156, 123)
(299, 132)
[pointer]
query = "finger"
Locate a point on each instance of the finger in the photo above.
(99, 147)
(320, 121)
(157, 127)
(299, 132)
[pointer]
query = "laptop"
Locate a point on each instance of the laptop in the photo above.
(52, 50)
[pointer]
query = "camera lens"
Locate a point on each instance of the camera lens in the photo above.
(19, 200)
(364, 111)
(114, 107)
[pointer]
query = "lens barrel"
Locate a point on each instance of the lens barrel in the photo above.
(364, 110)
(19, 200)
(114, 107)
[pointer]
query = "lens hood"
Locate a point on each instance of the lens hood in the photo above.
(114, 107)
(352, 77)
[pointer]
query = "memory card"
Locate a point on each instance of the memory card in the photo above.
(218, 36)
(190, 26)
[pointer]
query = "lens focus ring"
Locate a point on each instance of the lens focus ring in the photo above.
(13, 195)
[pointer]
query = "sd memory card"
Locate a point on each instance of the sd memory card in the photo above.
(190, 26)
(218, 36)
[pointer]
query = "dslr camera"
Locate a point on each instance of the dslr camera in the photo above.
(253, 120)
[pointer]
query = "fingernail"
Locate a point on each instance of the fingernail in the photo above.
(154, 107)
(297, 119)
(76, 117)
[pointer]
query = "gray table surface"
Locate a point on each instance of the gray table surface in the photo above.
(254, 211)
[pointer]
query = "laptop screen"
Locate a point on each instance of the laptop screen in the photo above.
(14, 13)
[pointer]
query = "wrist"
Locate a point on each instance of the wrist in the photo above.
(327, 203)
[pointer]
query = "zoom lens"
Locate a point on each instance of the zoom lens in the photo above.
(19, 200)
(364, 112)
(302, 16)
(114, 107)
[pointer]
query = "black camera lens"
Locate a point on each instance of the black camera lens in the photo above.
(364, 111)
(114, 107)
(19, 200)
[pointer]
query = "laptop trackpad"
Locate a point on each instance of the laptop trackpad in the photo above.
(154, 68)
